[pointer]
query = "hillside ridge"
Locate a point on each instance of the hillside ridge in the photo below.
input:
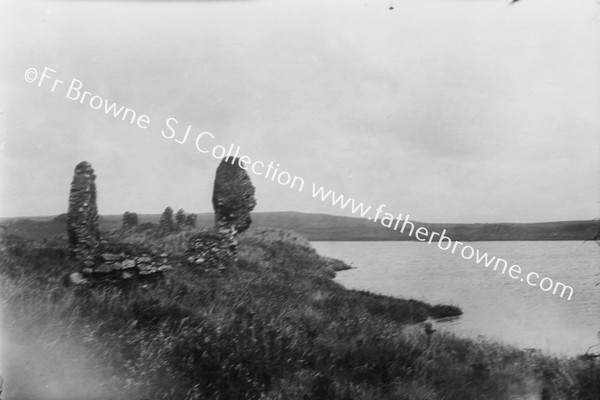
(327, 227)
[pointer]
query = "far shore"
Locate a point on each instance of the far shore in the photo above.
(325, 227)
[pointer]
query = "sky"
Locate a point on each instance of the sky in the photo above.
(446, 110)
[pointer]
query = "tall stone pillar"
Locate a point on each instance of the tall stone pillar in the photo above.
(233, 198)
(82, 218)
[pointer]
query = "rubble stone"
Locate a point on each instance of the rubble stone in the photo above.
(112, 257)
(77, 278)
(105, 268)
(127, 264)
(120, 266)
(210, 250)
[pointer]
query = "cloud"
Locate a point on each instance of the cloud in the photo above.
(428, 108)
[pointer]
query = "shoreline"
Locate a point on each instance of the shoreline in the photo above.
(564, 329)
(277, 314)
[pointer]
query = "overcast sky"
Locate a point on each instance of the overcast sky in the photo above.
(448, 110)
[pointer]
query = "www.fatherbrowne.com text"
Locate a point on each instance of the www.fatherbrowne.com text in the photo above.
(205, 143)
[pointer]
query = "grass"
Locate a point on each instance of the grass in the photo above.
(273, 326)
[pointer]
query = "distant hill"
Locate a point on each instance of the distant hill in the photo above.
(331, 227)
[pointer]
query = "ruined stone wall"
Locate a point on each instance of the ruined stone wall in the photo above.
(210, 250)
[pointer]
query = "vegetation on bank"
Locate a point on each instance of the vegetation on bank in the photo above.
(273, 326)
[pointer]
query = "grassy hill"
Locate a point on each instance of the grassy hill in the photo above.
(331, 227)
(274, 326)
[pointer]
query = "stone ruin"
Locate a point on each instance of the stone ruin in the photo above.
(233, 197)
(85, 243)
(209, 250)
(233, 200)
(121, 267)
(82, 218)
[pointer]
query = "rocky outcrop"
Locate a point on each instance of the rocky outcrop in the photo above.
(233, 198)
(130, 220)
(180, 218)
(210, 250)
(82, 218)
(166, 224)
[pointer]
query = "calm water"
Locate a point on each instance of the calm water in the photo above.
(494, 305)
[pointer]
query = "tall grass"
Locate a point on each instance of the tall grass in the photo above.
(273, 326)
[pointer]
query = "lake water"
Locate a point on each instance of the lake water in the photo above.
(494, 305)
